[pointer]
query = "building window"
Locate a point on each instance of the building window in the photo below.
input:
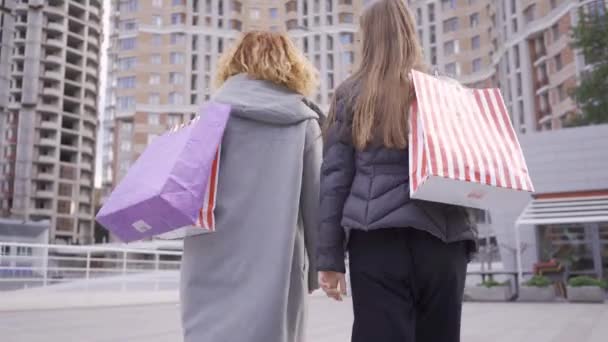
(126, 63)
(154, 99)
(431, 8)
(125, 145)
(474, 19)
(516, 56)
(176, 78)
(450, 25)
(153, 119)
(558, 62)
(156, 59)
(448, 4)
(347, 38)
(176, 98)
(128, 25)
(475, 42)
(450, 47)
(274, 13)
(433, 36)
(555, 32)
(126, 82)
(553, 4)
(348, 58)
(345, 18)
(452, 69)
(128, 6)
(127, 43)
(529, 13)
(561, 92)
(476, 64)
(254, 13)
(125, 102)
(177, 58)
(177, 19)
(154, 79)
(157, 20)
(177, 38)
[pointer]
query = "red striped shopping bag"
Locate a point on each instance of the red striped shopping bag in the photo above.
(463, 148)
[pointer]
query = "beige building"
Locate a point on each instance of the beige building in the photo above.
(521, 46)
(49, 65)
(163, 55)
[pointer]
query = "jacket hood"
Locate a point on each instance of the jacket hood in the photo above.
(263, 101)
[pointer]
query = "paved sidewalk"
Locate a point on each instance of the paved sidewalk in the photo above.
(329, 322)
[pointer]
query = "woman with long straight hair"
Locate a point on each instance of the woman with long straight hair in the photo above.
(407, 257)
(248, 281)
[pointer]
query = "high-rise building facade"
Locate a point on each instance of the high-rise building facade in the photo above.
(163, 56)
(522, 46)
(48, 113)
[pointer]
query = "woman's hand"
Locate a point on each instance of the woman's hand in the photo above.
(333, 284)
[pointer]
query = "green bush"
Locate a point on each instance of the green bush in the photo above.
(493, 283)
(539, 281)
(587, 281)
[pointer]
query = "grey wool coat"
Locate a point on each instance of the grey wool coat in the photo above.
(248, 281)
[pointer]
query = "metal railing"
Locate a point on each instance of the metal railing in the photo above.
(24, 265)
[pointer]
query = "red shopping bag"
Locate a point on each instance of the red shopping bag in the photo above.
(463, 148)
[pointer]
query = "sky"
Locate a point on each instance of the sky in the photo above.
(102, 88)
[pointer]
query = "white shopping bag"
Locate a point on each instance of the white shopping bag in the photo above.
(463, 148)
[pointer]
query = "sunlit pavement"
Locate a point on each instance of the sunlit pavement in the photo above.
(329, 321)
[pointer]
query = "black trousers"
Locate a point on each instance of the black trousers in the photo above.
(407, 286)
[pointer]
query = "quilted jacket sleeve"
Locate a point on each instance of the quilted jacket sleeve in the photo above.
(337, 172)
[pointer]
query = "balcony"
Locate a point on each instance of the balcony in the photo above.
(93, 56)
(49, 107)
(53, 59)
(47, 175)
(87, 133)
(55, 42)
(47, 141)
(84, 198)
(44, 194)
(91, 71)
(90, 102)
(86, 166)
(94, 11)
(44, 158)
(51, 91)
(86, 182)
(54, 26)
(93, 40)
(55, 75)
(87, 150)
(48, 124)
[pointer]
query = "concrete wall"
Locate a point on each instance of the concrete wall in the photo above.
(566, 160)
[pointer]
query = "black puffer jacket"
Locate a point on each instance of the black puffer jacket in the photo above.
(369, 190)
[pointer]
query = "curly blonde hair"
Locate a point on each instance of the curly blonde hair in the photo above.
(270, 56)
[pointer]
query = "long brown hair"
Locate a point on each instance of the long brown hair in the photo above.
(390, 50)
(270, 56)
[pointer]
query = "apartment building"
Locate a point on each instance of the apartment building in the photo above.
(48, 101)
(521, 46)
(163, 56)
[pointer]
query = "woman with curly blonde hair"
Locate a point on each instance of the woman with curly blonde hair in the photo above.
(248, 281)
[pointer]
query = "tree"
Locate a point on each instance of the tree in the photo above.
(591, 37)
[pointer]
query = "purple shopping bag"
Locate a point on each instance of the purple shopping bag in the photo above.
(165, 188)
